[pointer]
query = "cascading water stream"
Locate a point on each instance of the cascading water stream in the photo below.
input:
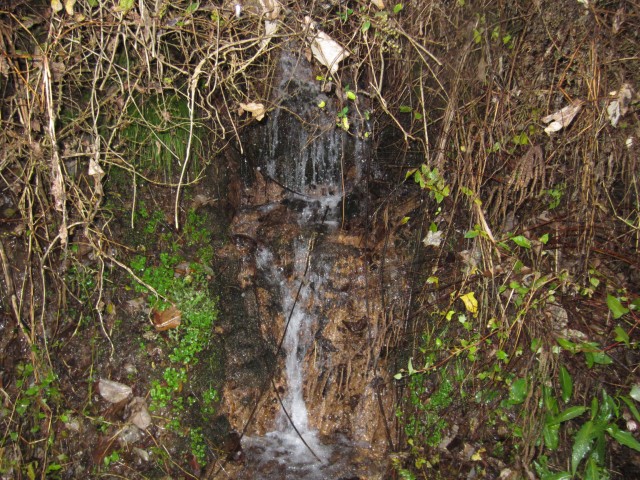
(294, 448)
(301, 150)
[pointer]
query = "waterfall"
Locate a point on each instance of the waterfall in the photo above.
(293, 434)
(300, 149)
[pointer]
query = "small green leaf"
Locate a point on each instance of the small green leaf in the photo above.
(623, 437)
(471, 234)
(632, 407)
(518, 391)
(521, 139)
(410, 368)
(192, 8)
(125, 5)
(54, 467)
(567, 345)
(366, 26)
(398, 376)
(351, 95)
(417, 116)
(601, 358)
(550, 402)
(433, 280)
(477, 35)
(550, 434)
(544, 239)
(536, 343)
(405, 109)
(621, 335)
(566, 384)
(521, 241)
(322, 104)
(583, 442)
(398, 8)
(568, 414)
(635, 392)
(616, 307)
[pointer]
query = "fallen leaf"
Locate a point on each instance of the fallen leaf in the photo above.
(97, 173)
(470, 303)
(257, 110)
(562, 118)
(56, 6)
(68, 6)
(433, 239)
(618, 108)
(325, 49)
(167, 320)
(271, 9)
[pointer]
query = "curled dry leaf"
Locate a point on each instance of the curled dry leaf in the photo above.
(378, 3)
(562, 118)
(167, 320)
(324, 48)
(113, 392)
(618, 108)
(271, 9)
(257, 110)
(270, 29)
(433, 239)
(97, 173)
(202, 200)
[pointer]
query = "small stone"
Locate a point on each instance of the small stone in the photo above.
(129, 434)
(73, 424)
(130, 369)
(140, 416)
(142, 454)
(113, 392)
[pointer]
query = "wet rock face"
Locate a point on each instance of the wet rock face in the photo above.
(343, 370)
(344, 376)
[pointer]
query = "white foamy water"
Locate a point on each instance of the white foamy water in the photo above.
(294, 447)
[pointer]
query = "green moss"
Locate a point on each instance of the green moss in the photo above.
(424, 422)
(157, 134)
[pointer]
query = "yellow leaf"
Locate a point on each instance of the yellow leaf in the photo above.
(345, 123)
(68, 6)
(56, 6)
(477, 457)
(470, 303)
